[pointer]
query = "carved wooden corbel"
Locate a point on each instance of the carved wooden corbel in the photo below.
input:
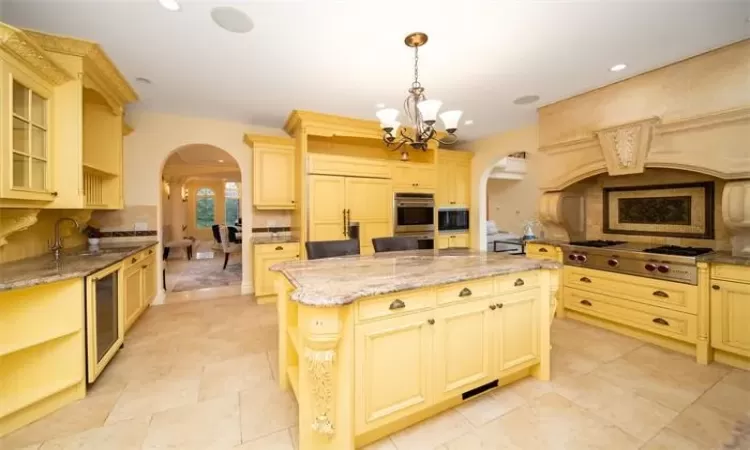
(562, 215)
(15, 220)
(321, 372)
(625, 147)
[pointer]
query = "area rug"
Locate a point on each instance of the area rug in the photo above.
(206, 274)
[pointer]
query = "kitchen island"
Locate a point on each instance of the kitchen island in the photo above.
(373, 344)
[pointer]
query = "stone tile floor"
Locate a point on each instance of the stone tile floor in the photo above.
(200, 375)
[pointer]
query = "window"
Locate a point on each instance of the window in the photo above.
(204, 208)
(231, 203)
(29, 138)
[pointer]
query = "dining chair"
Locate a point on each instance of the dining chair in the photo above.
(331, 249)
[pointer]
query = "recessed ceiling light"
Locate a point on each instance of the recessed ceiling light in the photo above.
(170, 5)
(618, 67)
(526, 100)
(232, 19)
(221, 160)
(380, 105)
(469, 122)
(143, 80)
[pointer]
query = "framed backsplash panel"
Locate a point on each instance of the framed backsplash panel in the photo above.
(672, 210)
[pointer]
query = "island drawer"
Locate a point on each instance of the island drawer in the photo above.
(516, 282)
(278, 248)
(730, 272)
(666, 294)
(395, 304)
(132, 259)
(657, 320)
(466, 290)
(541, 251)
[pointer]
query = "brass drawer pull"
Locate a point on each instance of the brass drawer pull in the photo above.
(586, 302)
(661, 321)
(499, 305)
(150, 252)
(715, 287)
(143, 267)
(397, 304)
(278, 247)
(585, 280)
(493, 307)
(134, 260)
(431, 321)
(519, 282)
(543, 250)
(465, 292)
(661, 294)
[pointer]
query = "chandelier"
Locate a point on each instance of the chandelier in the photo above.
(422, 113)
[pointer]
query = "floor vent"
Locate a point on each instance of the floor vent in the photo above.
(479, 390)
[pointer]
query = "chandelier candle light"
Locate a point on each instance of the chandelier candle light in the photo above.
(422, 113)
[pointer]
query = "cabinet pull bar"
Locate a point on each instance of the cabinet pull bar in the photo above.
(279, 247)
(585, 280)
(465, 292)
(343, 212)
(543, 250)
(519, 282)
(661, 294)
(586, 302)
(660, 321)
(397, 304)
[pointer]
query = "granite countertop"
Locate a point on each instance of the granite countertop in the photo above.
(74, 263)
(340, 281)
(724, 257)
(273, 239)
(555, 242)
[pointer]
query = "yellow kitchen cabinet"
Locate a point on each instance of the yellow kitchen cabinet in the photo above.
(29, 78)
(453, 179)
(730, 316)
(462, 346)
(458, 240)
(149, 281)
(413, 177)
(347, 166)
(543, 251)
(390, 384)
(265, 256)
(336, 202)
(133, 288)
(273, 171)
(517, 328)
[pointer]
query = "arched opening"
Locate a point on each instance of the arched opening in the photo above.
(201, 222)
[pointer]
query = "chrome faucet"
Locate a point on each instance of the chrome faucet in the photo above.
(58, 244)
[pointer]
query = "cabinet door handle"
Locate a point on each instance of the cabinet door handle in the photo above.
(292, 201)
(499, 305)
(661, 321)
(519, 282)
(278, 247)
(397, 304)
(493, 307)
(343, 212)
(431, 321)
(661, 294)
(543, 250)
(133, 261)
(585, 280)
(715, 287)
(465, 292)
(150, 252)
(143, 267)
(586, 302)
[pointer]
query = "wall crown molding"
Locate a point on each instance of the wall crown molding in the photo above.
(18, 44)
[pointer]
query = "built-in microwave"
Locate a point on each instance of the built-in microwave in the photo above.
(453, 219)
(413, 213)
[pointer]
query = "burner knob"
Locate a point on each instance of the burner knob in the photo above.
(613, 262)
(663, 269)
(581, 258)
(572, 257)
(650, 267)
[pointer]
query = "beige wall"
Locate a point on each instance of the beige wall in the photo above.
(487, 152)
(265, 219)
(157, 135)
(204, 234)
(510, 203)
(592, 189)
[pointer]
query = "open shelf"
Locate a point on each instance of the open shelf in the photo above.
(100, 172)
(294, 337)
(293, 374)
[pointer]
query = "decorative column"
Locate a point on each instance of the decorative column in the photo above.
(703, 352)
(177, 207)
(562, 214)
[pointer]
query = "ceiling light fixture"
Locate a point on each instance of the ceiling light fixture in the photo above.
(232, 19)
(170, 5)
(221, 160)
(618, 67)
(422, 113)
(526, 100)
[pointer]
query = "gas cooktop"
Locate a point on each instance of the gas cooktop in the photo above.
(679, 251)
(598, 243)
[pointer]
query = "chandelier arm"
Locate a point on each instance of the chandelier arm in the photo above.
(451, 141)
(408, 138)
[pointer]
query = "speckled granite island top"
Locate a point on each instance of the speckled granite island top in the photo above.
(74, 263)
(340, 281)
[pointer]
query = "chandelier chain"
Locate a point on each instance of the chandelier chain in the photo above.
(416, 82)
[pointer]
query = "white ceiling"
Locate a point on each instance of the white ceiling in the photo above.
(345, 56)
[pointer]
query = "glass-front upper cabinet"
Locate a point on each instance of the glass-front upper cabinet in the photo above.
(29, 138)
